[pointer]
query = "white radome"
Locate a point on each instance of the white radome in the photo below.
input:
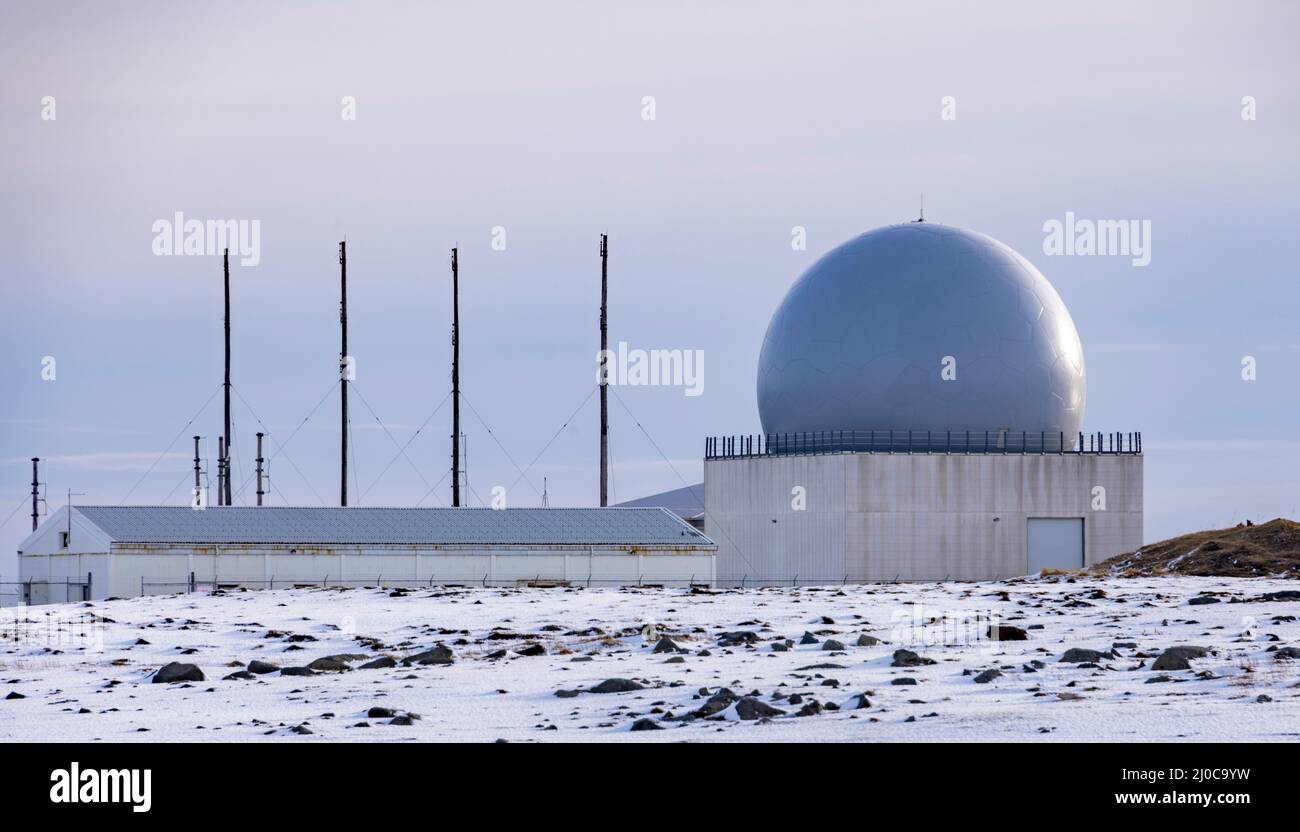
(863, 338)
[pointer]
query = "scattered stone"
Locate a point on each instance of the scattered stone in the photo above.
(646, 724)
(716, 703)
(906, 658)
(1066, 696)
(750, 708)
(380, 713)
(811, 708)
(1155, 679)
(1006, 632)
(1080, 655)
(1176, 658)
(328, 665)
(297, 671)
(987, 676)
(238, 675)
(347, 658)
(832, 644)
(616, 686)
(259, 666)
(567, 694)
(401, 720)
(1263, 697)
(865, 640)
(666, 645)
(808, 638)
(737, 638)
(434, 655)
(178, 672)
(13, 694)
(902, 680)
(533, 649)
(1202, 600)
(379, 663)
(1283, 595)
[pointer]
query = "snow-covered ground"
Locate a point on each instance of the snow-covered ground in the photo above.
(96, 685)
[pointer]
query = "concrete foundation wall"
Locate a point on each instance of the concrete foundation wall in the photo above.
(883, 517)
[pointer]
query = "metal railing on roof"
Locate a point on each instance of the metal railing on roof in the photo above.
(745, 446)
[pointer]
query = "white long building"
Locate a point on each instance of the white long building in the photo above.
(94, 552)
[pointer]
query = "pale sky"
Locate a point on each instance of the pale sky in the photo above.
(529, 117)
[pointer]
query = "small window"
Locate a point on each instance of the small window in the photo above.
(63, 539)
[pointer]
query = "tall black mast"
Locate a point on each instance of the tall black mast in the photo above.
(604, 378)
(343, 371)
(224, 484)
(455, 377)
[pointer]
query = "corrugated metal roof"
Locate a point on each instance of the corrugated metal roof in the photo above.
(397, 526)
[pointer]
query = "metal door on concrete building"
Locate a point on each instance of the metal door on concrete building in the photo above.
(1055, 543)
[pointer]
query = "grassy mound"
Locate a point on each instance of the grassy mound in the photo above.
(1243, 551)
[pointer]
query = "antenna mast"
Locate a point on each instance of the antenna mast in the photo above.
(455, 377)
(260, 460)
(604, 370)
(36, 493)
(198, 485)
(343, 371)
(223, 484)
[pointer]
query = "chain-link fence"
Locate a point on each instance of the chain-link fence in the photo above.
(35, 591)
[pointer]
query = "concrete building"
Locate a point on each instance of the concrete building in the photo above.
(95, 552)
(921, 390)
(816, 517)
